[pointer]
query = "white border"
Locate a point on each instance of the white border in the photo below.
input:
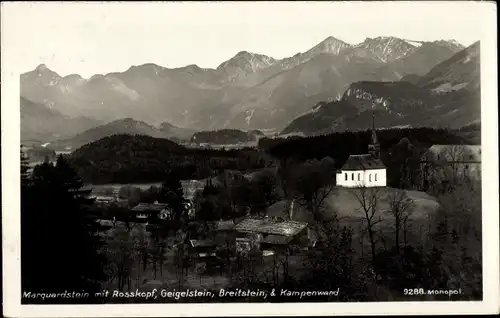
(11, 219)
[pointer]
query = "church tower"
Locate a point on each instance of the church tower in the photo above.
(374, 146)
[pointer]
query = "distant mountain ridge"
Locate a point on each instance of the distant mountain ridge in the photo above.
(40, 123)
(248, 91)
(125, 126)
(448, 96)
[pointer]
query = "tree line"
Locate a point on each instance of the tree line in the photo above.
(136, 159)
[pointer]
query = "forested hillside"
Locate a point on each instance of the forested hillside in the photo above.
(125, 158)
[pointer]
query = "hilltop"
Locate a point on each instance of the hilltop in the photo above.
(140, 158)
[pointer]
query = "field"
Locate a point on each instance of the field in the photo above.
(348, 208)
(344, 201)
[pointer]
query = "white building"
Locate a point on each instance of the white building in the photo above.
(362, 171)
(366, 170)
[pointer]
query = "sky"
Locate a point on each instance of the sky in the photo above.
(98, 38)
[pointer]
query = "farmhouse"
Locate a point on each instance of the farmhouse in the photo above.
(145, 211)
(270, 234)
(222, 232)
(366, 170)
(201, 249)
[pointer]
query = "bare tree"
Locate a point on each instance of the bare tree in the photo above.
(458, 237)
(400, 208)
(141, 244)
(330, 261)
(447, 167)
(313, 183)
(368, 199)
(121, 255)
(180, 252)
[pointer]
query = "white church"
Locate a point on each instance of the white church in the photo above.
(366, 170)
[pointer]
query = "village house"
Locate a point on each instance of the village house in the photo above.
(270, 235)
(365, 170)
(447, 162)
(202, 249)
(222, 232)
(145, 211)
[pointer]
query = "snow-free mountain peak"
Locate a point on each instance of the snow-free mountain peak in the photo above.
(329, 45)
(384, 48)
(41, 68)
(244, 63)
(242, 57)
(453, 44)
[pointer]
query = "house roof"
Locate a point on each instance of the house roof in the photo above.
(270, 226)
(202, 243)
(149, 207)
(277, 239)
(466, 153)
(363, 162)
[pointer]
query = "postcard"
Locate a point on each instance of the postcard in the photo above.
(249, 158)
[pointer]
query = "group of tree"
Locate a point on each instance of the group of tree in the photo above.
(338, 144)
(136, 159)
(234, 195)
(60, 239)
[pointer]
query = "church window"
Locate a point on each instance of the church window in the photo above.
(370, 177)
(375, 177)
(359, 176)
(352, 177)
(346, 176)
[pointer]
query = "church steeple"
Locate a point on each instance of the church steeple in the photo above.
(374, 146)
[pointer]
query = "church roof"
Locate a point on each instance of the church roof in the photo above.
(374, 138)
(363, 162)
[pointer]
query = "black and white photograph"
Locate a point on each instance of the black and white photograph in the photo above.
(249, 153)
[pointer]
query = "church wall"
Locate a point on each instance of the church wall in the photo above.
(368, 178)
(350, 183)
(375, 178)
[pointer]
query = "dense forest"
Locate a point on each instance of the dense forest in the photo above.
(135, 159)
(341, 144)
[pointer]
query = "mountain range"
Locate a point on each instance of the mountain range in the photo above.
(248, 91)
(126, 126)
(447, 96)
(41, 123)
